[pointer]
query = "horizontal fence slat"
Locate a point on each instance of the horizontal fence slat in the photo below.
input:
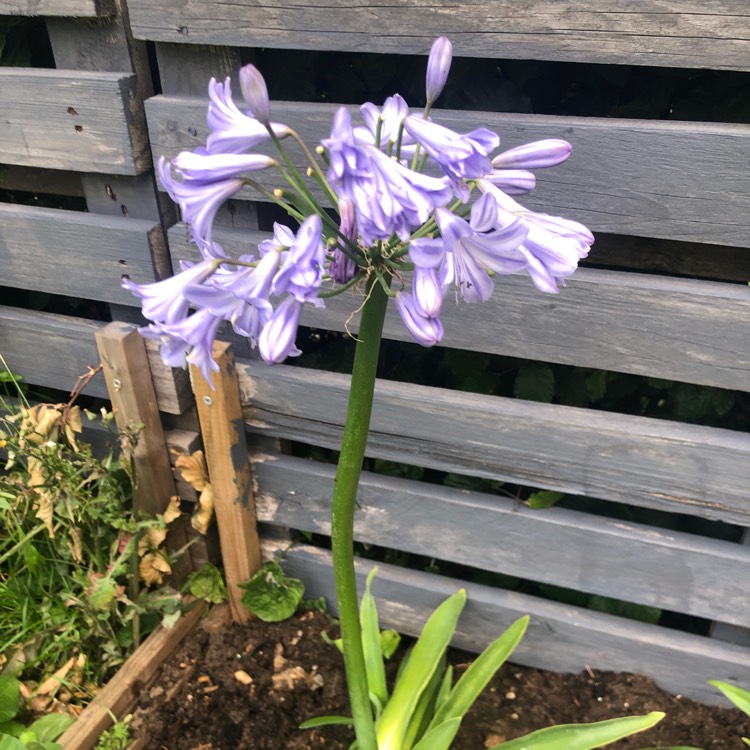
(560, 637)
(654, 567)
(74, 253)
(76, 8)
(50, 350)
(687, 330)
(73, 120)
(672, 33)
(625, 176)
(653, 463)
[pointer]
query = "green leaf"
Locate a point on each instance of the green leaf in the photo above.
(535, 381)
(481, 671)
(207, 583)
(582, 736)
(389, 642)
(325, 721)
(10, 695)
(672, 747)
(738, 696)
(7, 742)
(423, 661)
(51, 726)
(271, 595)
(544, 499)
(373, 652)
(425, 708)
(440, 737)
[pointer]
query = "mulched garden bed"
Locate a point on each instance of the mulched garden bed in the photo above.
(248, 687)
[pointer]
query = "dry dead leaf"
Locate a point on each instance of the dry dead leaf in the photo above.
(52, 684)
(202, 517)
(193, 469)
(153, 567)
(151, 540)
(172, 511)
(75, 545)
(45, 511)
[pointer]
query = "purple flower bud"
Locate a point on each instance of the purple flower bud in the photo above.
(342, 268)
(276, 341)
(214, 167)
(428, 292)
(256, 94)
(438, 65)
(535, 155)
(512, 181)
(425, 331)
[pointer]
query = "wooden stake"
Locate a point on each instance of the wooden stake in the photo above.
(223, 428)
(131, 391)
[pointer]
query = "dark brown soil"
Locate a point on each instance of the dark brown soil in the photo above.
(249, 687)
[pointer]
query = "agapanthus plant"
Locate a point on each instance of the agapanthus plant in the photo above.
(398, 207)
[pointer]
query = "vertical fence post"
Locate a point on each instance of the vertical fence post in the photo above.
(223, 430)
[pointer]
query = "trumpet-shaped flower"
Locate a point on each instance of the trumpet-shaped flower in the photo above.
(424, 330)
(460, 157)
(390, 119)
(233, 132)
(276, 341)
(303, 265)
(198, 167)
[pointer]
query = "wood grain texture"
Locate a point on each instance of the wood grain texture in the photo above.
(629, 177)
(670, 33)
(79, 8)
(77, 254)
(652, 463)
(122, 692)
(131, 391)
(79, 121)
(222, 428)
(678, 329)
(560, 637)
(665, 569)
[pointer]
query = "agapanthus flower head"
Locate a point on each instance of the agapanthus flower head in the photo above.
(233, 132)
(438, 66)
(254, 90)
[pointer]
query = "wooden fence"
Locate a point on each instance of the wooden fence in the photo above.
(670, 200)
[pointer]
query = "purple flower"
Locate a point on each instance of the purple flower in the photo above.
(389, 198)
(512, 181)
(438, 65)
(276, 341)
(197, 167)
(461, 157)
(391, 118)
(164, 301)
(467, 251)
(534, 155)
(427, 288)
(425, 331)
(342, 267)
(189, 340)
(553, 246)
(199, 201)
(256, 94)
(231, 131)
(302, 267)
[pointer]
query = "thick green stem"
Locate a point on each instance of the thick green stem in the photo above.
(342, 511)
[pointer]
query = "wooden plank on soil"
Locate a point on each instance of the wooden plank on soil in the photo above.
(567, 548)
(80, 8)
(76, 120)
(680, 468)
(78, 254)
(223, 430)
(121, 693)
(671, 33)
(128, 377)
(687, 330)
(560, 637)
(624, 177)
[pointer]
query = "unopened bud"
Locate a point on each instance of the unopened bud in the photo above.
(535, 155)
(438, 65)
(256, 94)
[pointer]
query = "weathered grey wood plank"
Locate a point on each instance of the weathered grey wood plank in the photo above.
(81, 8)
(628, 177)
(671, 33)
(636, 563)
(653, 463)
(50, 350)
(560, 637)
(79, 121)
(687, 330)
(75, 253)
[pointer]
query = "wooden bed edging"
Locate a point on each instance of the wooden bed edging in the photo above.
(120, 694)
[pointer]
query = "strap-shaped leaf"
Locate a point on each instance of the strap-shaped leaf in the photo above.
(738, 696)
(582, 736)
(423, 661)
(371, 645)
(440, 737)
(325, 721)
(481, 671)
